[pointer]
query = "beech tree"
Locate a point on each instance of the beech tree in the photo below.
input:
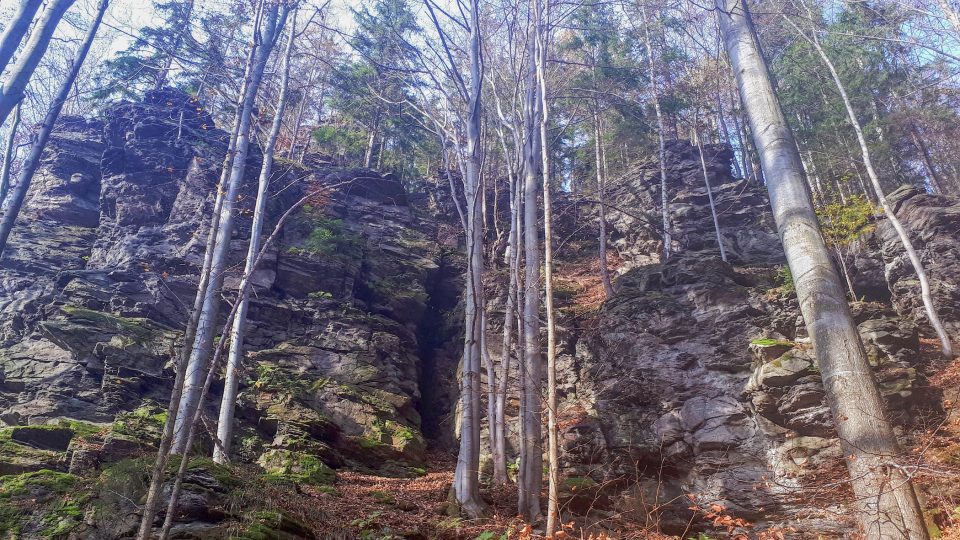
(273, 18)
(16, 29)
(32, 162)
(221, 452)
(14, 85)
(887, 506)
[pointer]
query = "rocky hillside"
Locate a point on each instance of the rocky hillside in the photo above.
(696, 383)
(693, 384)
(351, 322)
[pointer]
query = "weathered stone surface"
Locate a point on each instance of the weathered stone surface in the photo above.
(96, 283)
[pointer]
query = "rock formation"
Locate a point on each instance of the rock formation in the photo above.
(694, 382)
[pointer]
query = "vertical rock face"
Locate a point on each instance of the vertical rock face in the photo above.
(696, 380)
(934, 225)
(102, 269)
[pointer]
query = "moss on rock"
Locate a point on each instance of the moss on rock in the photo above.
(296, 467)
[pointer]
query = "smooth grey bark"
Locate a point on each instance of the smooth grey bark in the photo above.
(713, 208)
(263, 43)
(499, 423)
(602, 200)
(8, 155)
(925, 294)
(15, 83)
(466, 483)
(886, 505)
(32, 162)
(664, 197)
(16, 29)
(221, 452)
(530, 478)
(194, 418)
(553, 452)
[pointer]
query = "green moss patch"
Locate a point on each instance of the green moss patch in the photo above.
(296, 467)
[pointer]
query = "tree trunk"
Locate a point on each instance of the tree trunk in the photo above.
(846, 272)
(602, 199)
(221, 453)
(925, 294)
(173, 407)
(266, 39)
(887, 504)
(499, 423)
(164, 72)
(15, 83)
(713, 208)
(467, 475)
(8, 155)
(664, 198)
(32, 162)
(531, 453)
(371, 142)
(553, 453)
(935, 181)
(16, 29)
(194, 419)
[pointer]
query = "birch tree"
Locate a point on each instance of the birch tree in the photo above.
(887, 506)
(14, 84)
(32, 162)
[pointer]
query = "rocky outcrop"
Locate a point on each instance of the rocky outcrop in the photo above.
(748, 232)
(99, 273)
(696, 381)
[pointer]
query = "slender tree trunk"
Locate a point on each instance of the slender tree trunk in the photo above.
(499, 424)
(173, 407)
(553, 452)
(221, 452)
(194, 419)
(846, 272)
(713, 208)
(371, 142)
(203, 342)
(32, 162)
(887, 506)
(664, 197)
(925, 294)
(467, 474)
(602, 199)
(15, 83)
(8, 155)
(935, 181)
(16, 29)
(531, 453)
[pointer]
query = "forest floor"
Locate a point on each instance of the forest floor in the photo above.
(937, 445)
(373, 507)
